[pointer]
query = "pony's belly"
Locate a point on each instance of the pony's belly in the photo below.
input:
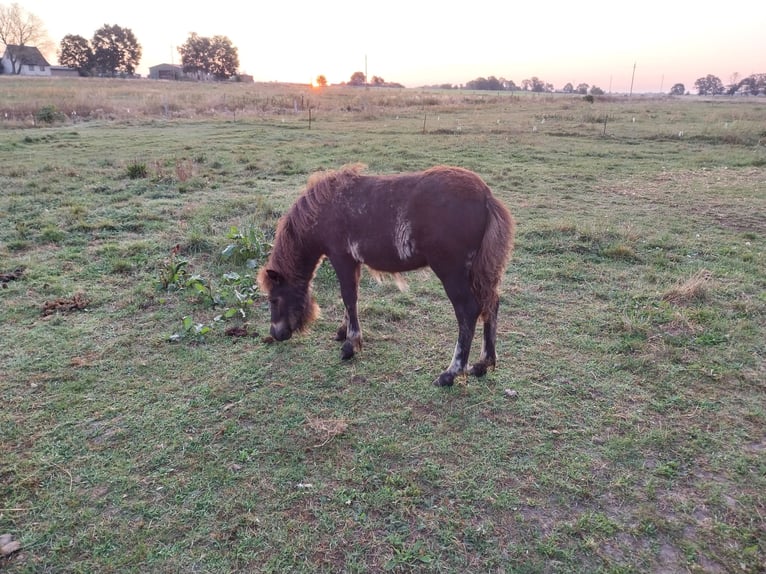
(393, 263)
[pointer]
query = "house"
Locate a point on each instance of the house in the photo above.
(24, 61)
(166, 72)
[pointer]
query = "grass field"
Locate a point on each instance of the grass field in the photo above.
(145, 425)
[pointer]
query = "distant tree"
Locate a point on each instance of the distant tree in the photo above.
(678, 90)
(491, 83)
(75, 52)
(758, 84)
(734, 83)
(115, 51)
(358, 79)
(203, 56)
(224, 58)
(745, 87)
(494, 84)
(535, 84)
(511, 86)
(194, 54)
(582, 88)
(753, 85)
(378, 81)
(321, 81)
(21, 28)
(710, 85)
(568, 88)
(596, 91)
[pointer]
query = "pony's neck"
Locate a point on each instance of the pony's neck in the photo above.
(298, 255)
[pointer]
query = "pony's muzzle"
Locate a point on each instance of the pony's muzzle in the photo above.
(280, 332)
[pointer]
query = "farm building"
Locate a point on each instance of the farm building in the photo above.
(64, 71)
(24, 61)
(166, 72)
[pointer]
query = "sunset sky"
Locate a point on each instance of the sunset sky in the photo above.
(421, 43)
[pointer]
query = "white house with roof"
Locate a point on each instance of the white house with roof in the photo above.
(24, 61)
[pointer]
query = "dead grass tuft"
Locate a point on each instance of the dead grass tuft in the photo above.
(327, 429)
(693, 289)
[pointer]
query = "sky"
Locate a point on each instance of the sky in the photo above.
(416, 43)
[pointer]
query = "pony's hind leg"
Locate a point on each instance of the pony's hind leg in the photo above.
(467, 313)
(488, 357)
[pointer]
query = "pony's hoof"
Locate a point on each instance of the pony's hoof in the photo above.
(478, 369)
(347, 351)
(445, 380)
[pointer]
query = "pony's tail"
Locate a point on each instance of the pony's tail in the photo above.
(492, 257)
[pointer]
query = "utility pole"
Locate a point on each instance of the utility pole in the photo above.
(633, 77)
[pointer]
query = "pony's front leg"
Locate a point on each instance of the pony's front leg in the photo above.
(340, 334)
(350, 331)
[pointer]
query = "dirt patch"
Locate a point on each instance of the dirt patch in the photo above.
(9, 276)
(77, 302)
(239, 331)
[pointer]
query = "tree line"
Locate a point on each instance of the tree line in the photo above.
(709, 85)
(114, 50)
(533, 84)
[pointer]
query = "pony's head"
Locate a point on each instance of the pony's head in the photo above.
(292, 305)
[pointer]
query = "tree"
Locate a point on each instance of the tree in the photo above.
(758, 84)
(568, 88)
(75, 52)
(582, 88)
(194, 54)
(205, 56)
(678, 90)
(20, 28)
(358, 79)
(224, 58)
(535, 84)
(321, 81)
(491, 84)
(596, 91)
(115, 51)
(710, 85)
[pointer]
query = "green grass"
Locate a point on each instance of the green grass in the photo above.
(623, 430)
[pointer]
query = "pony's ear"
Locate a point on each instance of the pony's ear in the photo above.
(275, 276)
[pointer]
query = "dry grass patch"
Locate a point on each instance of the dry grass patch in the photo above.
(695, 288)
(325, 429)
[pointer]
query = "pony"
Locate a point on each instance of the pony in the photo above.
(445, 218)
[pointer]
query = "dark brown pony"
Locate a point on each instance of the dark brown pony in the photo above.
(444, 218)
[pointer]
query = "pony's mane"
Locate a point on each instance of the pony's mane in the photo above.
(321, 188)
